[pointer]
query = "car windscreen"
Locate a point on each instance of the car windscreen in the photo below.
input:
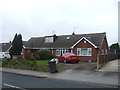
(68, 54)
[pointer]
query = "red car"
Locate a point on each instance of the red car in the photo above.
(69, 57)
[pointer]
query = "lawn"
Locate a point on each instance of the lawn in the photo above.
(35, 65)
(60, 67)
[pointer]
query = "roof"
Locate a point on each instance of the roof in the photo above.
(4, 47)
(63, 42)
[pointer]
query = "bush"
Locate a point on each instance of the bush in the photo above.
(19, 64)
(35, 57)
(31, 58)
(46, 55)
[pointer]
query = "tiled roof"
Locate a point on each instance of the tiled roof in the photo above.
(62, 42)
(4, 47)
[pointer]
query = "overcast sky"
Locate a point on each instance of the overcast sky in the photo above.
(36, 18)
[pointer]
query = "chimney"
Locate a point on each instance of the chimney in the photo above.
(73, 33)
(55, 37)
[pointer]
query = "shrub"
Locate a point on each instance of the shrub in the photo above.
(46, 55)
(31, 58)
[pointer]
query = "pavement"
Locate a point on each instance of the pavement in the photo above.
(97, 77)
(111, 66)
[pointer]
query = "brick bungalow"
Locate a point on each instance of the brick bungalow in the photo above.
(90, 47)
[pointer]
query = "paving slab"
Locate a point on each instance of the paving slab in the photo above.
(111, 66)
(106, 78)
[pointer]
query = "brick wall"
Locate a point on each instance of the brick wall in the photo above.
(103, 58)
(82, 44)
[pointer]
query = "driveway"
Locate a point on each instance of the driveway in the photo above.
(87, 66)
(111, 66)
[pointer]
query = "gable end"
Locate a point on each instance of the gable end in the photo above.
(86, 40)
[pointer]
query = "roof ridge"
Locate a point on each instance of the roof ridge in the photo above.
(83, 34)
(72, 35)
(91, 33)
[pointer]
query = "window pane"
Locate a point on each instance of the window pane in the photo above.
(83, 51)
(106, 52)
(89, 51)
(78, 53)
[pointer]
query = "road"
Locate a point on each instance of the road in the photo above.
(21, 82)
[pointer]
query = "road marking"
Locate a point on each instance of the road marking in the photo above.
(8, 85)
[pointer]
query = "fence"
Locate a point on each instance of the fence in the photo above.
(113, 56)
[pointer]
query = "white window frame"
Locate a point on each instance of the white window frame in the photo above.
(102, 51)
(61, 51)
(106, 51)
(48, 39)
(79, 51)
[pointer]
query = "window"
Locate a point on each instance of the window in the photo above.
(48, 39)
(60, 52)
(106, 51)
(102, 52)
(67, 38)
(84, 51)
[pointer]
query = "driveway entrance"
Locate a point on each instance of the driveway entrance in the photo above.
(87, 66)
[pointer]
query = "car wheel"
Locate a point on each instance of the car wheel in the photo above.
(64, 61)
(77, 61)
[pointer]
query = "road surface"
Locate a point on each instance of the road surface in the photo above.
(10, 80)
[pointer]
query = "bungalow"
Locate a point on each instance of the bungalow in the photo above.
(90, 47)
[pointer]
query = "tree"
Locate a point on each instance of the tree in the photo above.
(17, 45)
(20, 44)
(115, 46)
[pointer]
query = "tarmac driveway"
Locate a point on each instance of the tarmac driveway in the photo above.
(87, 66)
(111, 66)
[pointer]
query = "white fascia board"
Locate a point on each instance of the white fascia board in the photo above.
(24, 46)
(45, 48)
(36, 48)
(86, 40)
(9, 48)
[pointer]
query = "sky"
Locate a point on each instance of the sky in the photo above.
(38, 18)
